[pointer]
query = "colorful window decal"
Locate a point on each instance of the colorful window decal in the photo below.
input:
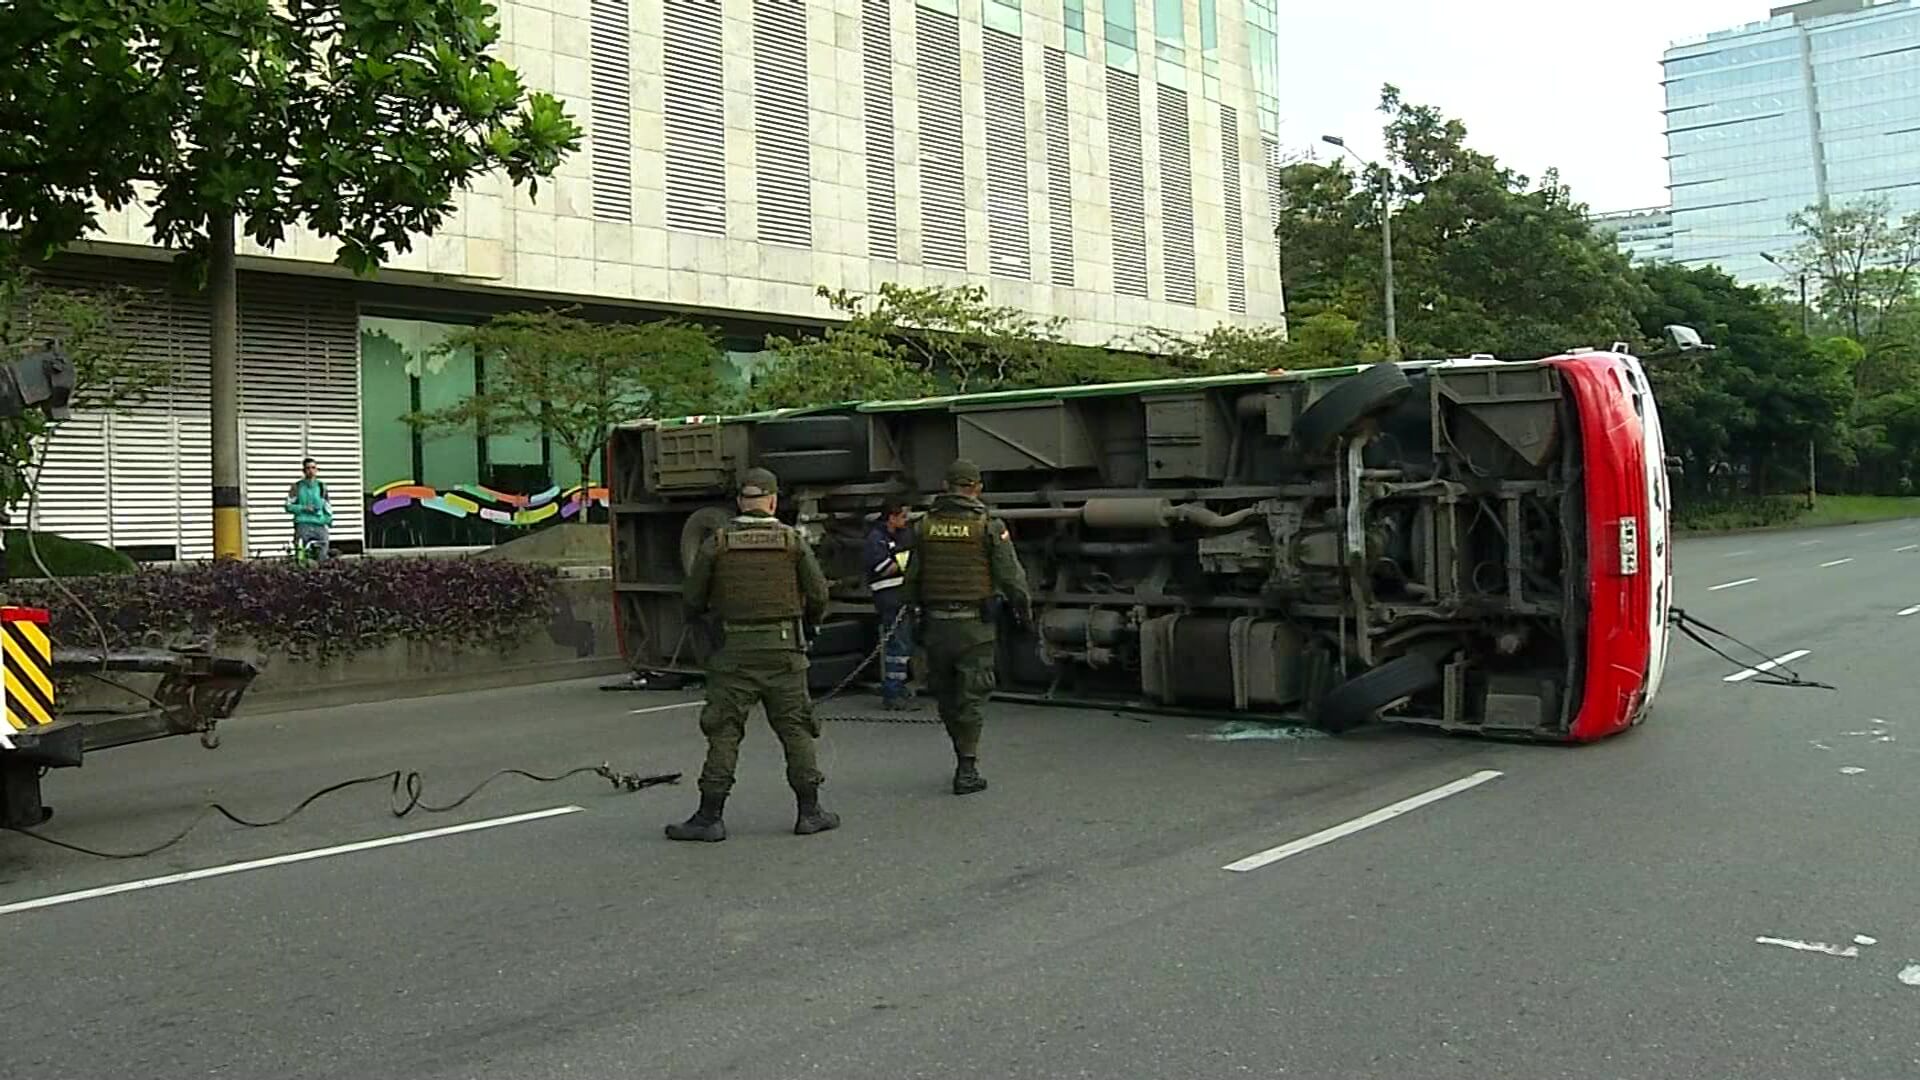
(500, 507)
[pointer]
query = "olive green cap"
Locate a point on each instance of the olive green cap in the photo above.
(962, 472)
(758, 483)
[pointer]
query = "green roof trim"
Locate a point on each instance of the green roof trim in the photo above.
(1044, 393)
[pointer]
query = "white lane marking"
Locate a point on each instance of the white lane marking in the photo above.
(1914, 610)
(1863, 939)
(1810, 543)
(1743, 676)
(664, 708)
(1836, 562)
(1365, 821)
(1736, 554)
(1909, 547)
(1852, 770)
(280, 860)
(1847, 952)
(1734, 584)
(1910, 975)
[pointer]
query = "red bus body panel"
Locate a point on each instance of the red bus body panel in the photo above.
(1619, 646)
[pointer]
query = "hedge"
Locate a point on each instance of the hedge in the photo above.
(321, 612)
(66, 558)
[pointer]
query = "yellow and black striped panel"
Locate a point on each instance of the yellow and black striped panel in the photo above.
(29, 680)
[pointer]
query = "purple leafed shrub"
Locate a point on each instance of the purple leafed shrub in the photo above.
(322, 613)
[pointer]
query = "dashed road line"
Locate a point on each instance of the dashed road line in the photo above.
(1733, 584)
(1810, 543)
(1365, 821)
(1736, 554)
(1743, 676)
(1836, 562)
(1914, 610)
(1909, 547)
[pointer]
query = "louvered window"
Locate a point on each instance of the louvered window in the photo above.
(1125, 177)
(782, 171)
(1270, 151)
(694, 116)
(876, 40)
(299, 397)
(1059, 170)
(611, 47)
(943, 160)
(1233, 201)
(1176, 197)
(142, 478)
(1009, 240)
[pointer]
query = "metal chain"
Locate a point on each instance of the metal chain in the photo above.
(886, 635)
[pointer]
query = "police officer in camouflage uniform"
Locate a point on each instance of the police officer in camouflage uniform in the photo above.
(760, 578)
(962, 561)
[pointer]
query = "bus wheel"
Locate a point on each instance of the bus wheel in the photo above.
(1355, 399)
(1360, 698)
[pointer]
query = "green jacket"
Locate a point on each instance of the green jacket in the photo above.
(307, 502)
(697, 593)
(1009, 577)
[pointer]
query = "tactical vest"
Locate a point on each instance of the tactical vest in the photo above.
(756, 572)
(953, 558)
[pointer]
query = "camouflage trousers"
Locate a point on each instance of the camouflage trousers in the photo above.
(776, 679)
(961, 676)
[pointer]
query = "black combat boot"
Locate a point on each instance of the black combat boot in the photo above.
(705, 824)
(812, 819)
(967, 778)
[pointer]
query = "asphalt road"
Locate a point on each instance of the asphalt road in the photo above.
(1591, 913)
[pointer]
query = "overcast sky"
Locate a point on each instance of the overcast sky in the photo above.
(1538, 83)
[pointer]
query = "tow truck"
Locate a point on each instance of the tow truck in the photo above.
(1475, 544)
(195, 689)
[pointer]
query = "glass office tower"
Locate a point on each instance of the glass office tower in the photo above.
(1819, 104)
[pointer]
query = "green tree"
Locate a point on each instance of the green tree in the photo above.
(1862, 259)
(906, 342)
(1485, 259)
(357, 121)
(575, 380)
(1759, 397)
(1325, 339)
(91, 329)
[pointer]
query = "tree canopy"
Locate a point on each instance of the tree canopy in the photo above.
(1485, 260)
(574, 379)
(359, 121)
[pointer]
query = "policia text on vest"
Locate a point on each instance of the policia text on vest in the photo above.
(963, 566)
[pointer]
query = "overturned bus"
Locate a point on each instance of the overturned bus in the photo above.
(1473, 544)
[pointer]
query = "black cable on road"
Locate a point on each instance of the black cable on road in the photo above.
(1763, 676)
(406, 793)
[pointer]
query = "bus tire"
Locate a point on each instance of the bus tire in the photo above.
(1361, 698)
(699, 525)
(829, 432)
(1357, 398)
(815, 466)
(841, 636)
(826, 672)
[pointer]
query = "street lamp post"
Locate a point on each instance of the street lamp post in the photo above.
(1805, 331)
(1386, 240)
(1805, 318)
